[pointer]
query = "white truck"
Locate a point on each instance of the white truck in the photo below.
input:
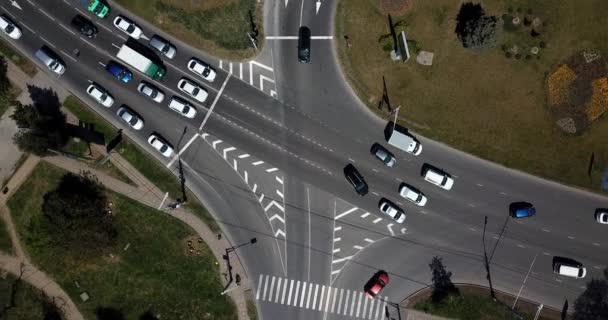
(405, 142)
(141, 62)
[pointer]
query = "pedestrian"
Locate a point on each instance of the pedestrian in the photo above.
(238, 279)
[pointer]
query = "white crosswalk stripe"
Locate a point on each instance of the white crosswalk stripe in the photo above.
(319, 297)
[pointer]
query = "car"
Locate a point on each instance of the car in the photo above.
(521, 210)
(601, 216)
(50, 59)
(192, 89)
(119, 72)
(84, 26)
(97, 7)
(304, 45)
(202, 69)
(412, 194)
(160, 144)
(382, 154)
(437, 177)
(392, 210)
(9, 27)
(127, 26)
(182, 107)
(355, 179)
(378, 281)
(129, 116)
(151, 92)
(163, 46)
(100, 95)
(569, 267)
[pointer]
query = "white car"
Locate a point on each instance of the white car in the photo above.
(129, 27)
(202, 69)
(411, 194)
(100, 95)
(151, 92)
(438, 178)
(161, 145)
(192, 89)
(392, 211)
(601, 216)
(182, 107)
(129, 117)
(9, 27)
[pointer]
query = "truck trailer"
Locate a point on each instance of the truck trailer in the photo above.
(141, 62)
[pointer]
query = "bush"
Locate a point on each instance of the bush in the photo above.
(508, 54)
(518, 56)
(474, 29)
(542, 45)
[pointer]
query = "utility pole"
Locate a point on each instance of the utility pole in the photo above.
(485, 255)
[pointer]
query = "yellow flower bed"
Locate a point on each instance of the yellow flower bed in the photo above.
(599, 101)
(559, 83)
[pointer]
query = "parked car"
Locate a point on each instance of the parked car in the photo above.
(9, 27)
(521, 210)
(119, 72)
(192, 89)
(437, 177)
(50, 59)
(304, 45)
(182, 107)
(412, 194)
(355, 179)
(127, 26)
(378, 281)
(382, 154)
(392, 210)
(129, 116)
(202, 69)
(97, 7)
(84, 26)
(163, 46)
(150, 91)
(100, 95)
(601, 216)
(160, 144)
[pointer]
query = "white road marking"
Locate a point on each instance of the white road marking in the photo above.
(359, 304)
(338, 228)
(377, 220)
(26, 26)
(371, 308)
(303, 294)
(67, 55)
(321, 37)
(337, 250)
(163, 201)
(480, 185)
(320, 298)
(101, 25)
(276, 216)
(276, 298)
(243, 156)
(102, 64)
(271, 170)
(357, 247)
(346, 301)
(261, 198)
(390, 229)
(255, 187)
(337, 239)
(365, 301)
(279, 193)
(271, 288)
(503, 193)
(545, 230)
(261, 65)
(257, 163)
(340, 301)
(596, 244)
(285, 290)
(276, 204)
(295, 298)
(546, 253)
(215, 143)
(375, 170)
(246, 177)
(45, 40)
(345, 213)
(378, 312)
(375, 193)
(403, 230)
(365, 215)
(46, 14)
(217, 97)
(265, 287)
(309, 294)
(333, 300)
(68, 30)
(471, 205)
(521, 246)
(369, 240)
(342, 259)
(182, 150)
(571, 237)
(257, 295)
(87, 42)
(289, 295)
(226, 150)
(472, 229)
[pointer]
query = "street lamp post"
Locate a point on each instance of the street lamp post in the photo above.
(227, 258)
(396, 112)
(251, 241)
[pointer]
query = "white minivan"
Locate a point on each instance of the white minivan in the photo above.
(437, 177)
(570, 270)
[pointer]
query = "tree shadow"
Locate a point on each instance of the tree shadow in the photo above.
(109, 313)
(385, 98)
(148, 315)
(47, 102)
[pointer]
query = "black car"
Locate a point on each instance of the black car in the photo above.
(355, 179)
(304, 45)
(84, 26)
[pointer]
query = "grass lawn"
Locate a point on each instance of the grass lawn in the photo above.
(470, 307)
(29, 301)
(13, 94)
(6, 245)
(155, 274)
(144, 163)
(217, 26)
(22, 62)
(482, 103)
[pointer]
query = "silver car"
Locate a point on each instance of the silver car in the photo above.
(163, 46)
(128, 116)
(383, 155)
(151, 92)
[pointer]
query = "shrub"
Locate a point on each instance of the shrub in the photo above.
(517, 56)
(542, 44)
(474, 29)
(508, 54)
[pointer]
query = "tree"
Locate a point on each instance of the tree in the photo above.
(442, 282)
(474, 29)
(75, 216)
(592, 304)
(42, 125)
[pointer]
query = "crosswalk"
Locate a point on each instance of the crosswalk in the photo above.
(318, 297)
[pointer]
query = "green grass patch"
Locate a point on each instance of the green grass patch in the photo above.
(155, 274)
(6, 103)
(29, 301)
(142, 161)
(110, 169)
(6, 245)
(17, 58)
(469, 307)
(77, 147)
(480, 102)
(217, 26)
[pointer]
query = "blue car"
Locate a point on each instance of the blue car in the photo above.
(121, 73)
(522, 210)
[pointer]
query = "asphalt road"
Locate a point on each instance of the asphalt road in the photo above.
(314, 128)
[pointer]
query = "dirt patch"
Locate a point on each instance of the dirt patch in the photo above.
(396, 7)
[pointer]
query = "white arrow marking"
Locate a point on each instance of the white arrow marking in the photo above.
(276, 216)
(318, 5)
(205, 135)
(390, 228)
(403, 230)
(274, 203)
(276, 234)
(215, 143)
(228, 150)
(15, 4)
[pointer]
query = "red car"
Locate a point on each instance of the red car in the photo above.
(376, 284)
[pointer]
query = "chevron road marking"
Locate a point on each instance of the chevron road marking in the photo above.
(274, 203)
(390, 229)
(214, 144)
(226, 150)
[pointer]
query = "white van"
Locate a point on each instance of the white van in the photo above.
(575, 271)
(405, 142)
(438, 178)
(50, 60)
